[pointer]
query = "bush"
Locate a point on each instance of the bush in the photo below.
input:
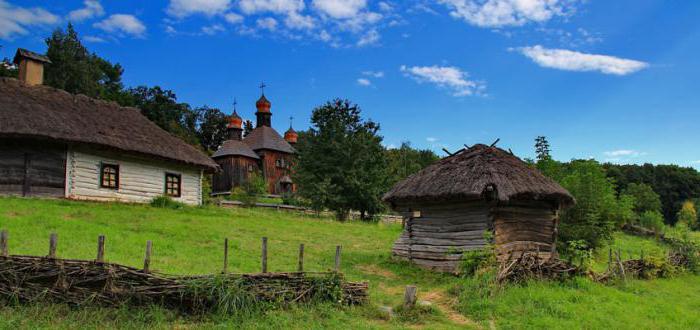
(249, 192)
(165, 202)
(652, 220)
(688, 215)
(475, 260)
(579, 253)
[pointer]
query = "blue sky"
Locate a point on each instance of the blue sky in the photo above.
(612, 80)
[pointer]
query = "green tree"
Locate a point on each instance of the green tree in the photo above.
(645, 199)
(405, 160)
(341, 164)
(688, 215)
(161, 107)
(247, 127)
(74, 69)
(596, 212)
(542, 148)
(211, 127)
(652, 220)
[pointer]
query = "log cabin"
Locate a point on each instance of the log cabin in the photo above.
(450, 205)
(56, 144)
(262, 152)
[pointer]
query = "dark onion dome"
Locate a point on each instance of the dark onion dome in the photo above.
(291, 135)
(235, 121)
(265, 137)
(43, 112)
(263, 104)
(235, 148)
(474, 173)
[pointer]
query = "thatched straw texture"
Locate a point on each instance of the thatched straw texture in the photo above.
(468, 175)
(43, 112)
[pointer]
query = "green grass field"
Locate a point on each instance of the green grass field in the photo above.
(190, 241)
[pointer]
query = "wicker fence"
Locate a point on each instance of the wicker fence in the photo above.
(96, 282)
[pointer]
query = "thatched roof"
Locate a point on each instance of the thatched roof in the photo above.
(235, 148)
(265, 137)
(44, 112)
(467, 175)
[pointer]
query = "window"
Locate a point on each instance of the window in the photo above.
(250, 168)
(109, 176)
(173, 184)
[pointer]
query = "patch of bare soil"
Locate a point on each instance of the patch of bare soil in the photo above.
(444, 304)
(376, 270)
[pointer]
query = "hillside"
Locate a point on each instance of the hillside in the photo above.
(190, 241)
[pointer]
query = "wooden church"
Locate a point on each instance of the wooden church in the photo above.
(262, 152)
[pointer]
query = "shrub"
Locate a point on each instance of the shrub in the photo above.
(474, 260)
(684, 251)
(165, 202)
(579, 253)
(652, 220)
(688, 215)
(249, 192)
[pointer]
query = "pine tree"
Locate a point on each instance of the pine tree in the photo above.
(247, 127)
(542, 148)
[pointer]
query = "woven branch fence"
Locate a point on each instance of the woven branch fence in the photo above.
(27, 279)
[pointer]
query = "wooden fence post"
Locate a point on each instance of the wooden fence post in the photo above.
(4, 237)
(147, 260)
(264, 254)
(409, 297)
(225, 255)
(100, 248)
(337, 258)
(301, 258)
(53, 240)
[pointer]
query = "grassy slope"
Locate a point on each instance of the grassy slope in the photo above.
(189, 242)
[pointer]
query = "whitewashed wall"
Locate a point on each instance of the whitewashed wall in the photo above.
(140, 180)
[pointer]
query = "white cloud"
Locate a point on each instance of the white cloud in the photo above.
(325, 36)
(300, 22)
(622, 152)
(233, 18)
(184, 8)
(340, 8)
(696, 162)
(213, 29)
(575, 61)
(371, 37)
(275, 6)
(122, 24)
(431, 139)
(500, 13)
(93, 39)
(267, 23)
(448, 77)
(375, 74)
(92, 8)
(15, 20)
(385, 6)
(364, 82)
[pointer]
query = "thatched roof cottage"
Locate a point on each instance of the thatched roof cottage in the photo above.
(449, 206)
(56, 144)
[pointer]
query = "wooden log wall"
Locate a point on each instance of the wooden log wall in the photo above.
(437, 239)
(234, 172)
(29, 168)
(272, 172)
(525, 227)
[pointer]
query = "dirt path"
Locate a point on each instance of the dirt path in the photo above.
(440, 300)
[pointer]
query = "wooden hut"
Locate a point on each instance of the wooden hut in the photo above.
(450, 205)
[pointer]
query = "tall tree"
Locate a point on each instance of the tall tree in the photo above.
(542, 148)
(341, 164)
(211, 127)
(405, 160)
(74, 69)
(161, 107)
(247, 127)
(645, 199)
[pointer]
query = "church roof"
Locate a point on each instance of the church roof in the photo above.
(235, 148)
(265, 137)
